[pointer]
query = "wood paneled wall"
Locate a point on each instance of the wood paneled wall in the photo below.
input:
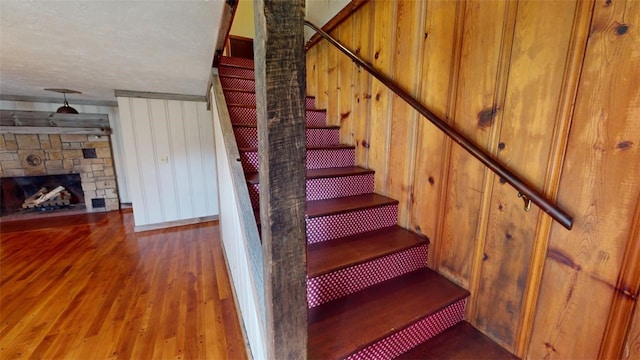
(552, 90)
(170, 160)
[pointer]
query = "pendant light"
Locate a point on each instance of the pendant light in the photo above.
(65, 108)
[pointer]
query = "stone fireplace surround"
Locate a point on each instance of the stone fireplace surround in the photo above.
(63, 154)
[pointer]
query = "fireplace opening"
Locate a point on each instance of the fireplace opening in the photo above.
(27, 194)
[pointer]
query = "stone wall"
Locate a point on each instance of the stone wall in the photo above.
(49, 154)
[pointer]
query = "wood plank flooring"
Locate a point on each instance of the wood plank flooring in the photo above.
(88, 287)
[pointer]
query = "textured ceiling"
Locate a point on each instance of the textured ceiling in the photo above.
(98, 46)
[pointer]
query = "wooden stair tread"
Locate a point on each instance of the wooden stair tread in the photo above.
(247, 106)
(340, 205)
(340, 327)
(327, 147)
(459, 342)
(328, 127)
(253, 178)
(327, 256)
(345, 204)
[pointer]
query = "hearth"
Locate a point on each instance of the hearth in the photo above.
(28, 194)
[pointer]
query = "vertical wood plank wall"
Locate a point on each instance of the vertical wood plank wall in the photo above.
(117, 143)
(170, 159)
(552, 90)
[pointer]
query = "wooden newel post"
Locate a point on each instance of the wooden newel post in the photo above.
(280, 94)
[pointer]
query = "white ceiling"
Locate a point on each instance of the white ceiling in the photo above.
(97, 46)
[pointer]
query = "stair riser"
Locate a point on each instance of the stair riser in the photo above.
(330, 227)
(248, 116)
(237, 84)
(248, 137)
(316, 159)
(249, 98)
(236, 71)
(334, 285)
(406, 339)
(327, 188)
(247, 63)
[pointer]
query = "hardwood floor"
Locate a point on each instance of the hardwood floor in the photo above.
(91, 288)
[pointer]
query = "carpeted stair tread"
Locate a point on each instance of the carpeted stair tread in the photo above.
(343, 326)
(346, 204)
(328, 256)
(459, 342)
(236, 62)
(253, 178)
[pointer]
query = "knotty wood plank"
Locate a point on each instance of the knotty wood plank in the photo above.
(633, 338)
(535, 74)
(603, 154)
(339, 327)
(345, 72)
(573, 67)
(363, 37)
(90, 287)
(459, 342)
(322, 92)
(280, 95)
(328, 256)
(407, 71)
(345, 204)
(381, 110)
(312, 71)
(622, 308)
(332, 57)
(437, 79)
(475, 99)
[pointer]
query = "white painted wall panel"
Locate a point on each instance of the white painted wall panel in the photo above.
(116, 134)
(170, 159)
(247, 285)
(179, 145)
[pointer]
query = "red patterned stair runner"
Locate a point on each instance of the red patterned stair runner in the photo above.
(369, 291)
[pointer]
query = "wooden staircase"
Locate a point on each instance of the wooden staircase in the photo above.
(370, 294)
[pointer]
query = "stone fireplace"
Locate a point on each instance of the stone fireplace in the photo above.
(89, 156)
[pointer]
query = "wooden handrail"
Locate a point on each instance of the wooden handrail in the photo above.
(525, 191)
(228, 14)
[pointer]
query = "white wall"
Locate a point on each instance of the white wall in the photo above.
(170, 159)
(320, 12)
(116, 135)
(239, 232)
(243, 20)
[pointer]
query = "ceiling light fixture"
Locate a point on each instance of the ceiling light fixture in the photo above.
(65, 108)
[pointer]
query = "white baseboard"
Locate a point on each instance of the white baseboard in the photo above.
(168, 224)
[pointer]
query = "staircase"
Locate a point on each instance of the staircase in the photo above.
(370, 294)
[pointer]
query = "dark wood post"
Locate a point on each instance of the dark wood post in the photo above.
(280, 94)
